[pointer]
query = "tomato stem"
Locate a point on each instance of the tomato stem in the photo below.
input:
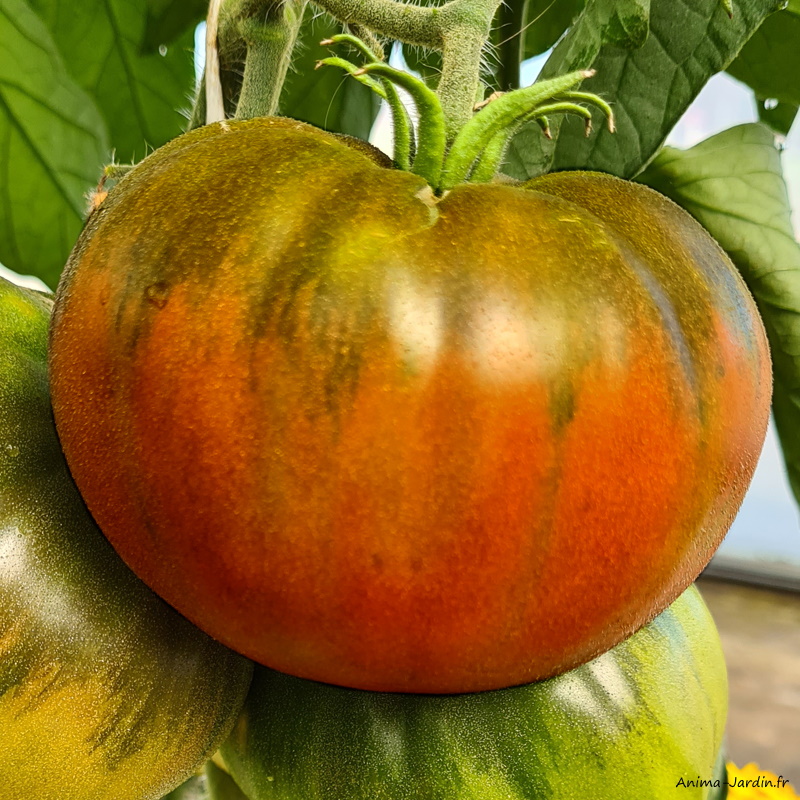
(459, 29)
(477, 153)
(270, 29)
(402, 21)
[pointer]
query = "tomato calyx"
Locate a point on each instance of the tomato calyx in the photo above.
(478, 149)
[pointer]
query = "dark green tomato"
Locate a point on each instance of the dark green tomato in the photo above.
(106, 693)
(626, 726)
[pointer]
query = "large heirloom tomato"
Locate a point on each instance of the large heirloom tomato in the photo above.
(379, 440)
(626, 726)
(105, 691)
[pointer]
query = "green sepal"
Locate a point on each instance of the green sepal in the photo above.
(431, 138)
(354, 71)
(401, 124)
(503, 113)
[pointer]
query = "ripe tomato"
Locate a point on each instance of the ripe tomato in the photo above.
(626, 726)
(105, 691)
(381, 441)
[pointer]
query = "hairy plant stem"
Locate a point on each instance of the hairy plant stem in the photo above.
(269, 28)
(403, 129)
(407, 23)
(459, 29)
(504, 113)
(461, 80)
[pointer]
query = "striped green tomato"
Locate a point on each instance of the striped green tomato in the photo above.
(625, 726)
(106, 693)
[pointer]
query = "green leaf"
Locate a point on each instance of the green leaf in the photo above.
(140, 94)
(794, 6)
(649, 87)
(626, 22)
(53, 143)
(546, 22)
(168, 19)
(733, 185)
(325, 97)
(779, 116)
(770, 62)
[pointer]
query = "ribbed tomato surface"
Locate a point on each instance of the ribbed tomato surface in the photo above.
(379, 440)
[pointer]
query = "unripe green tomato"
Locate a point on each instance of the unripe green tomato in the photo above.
(106, 693)
(626, 726)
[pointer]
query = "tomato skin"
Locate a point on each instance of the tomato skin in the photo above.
(625, 726)
(105, 691)
(377, 441)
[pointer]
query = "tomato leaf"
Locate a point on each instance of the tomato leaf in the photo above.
(53, 142)
(732, 184)
(779, 116)
(546, 22)
(168, 19)
(770, 61)
(649, 87)
(326, 97)
(626, 23)
(140, 94)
